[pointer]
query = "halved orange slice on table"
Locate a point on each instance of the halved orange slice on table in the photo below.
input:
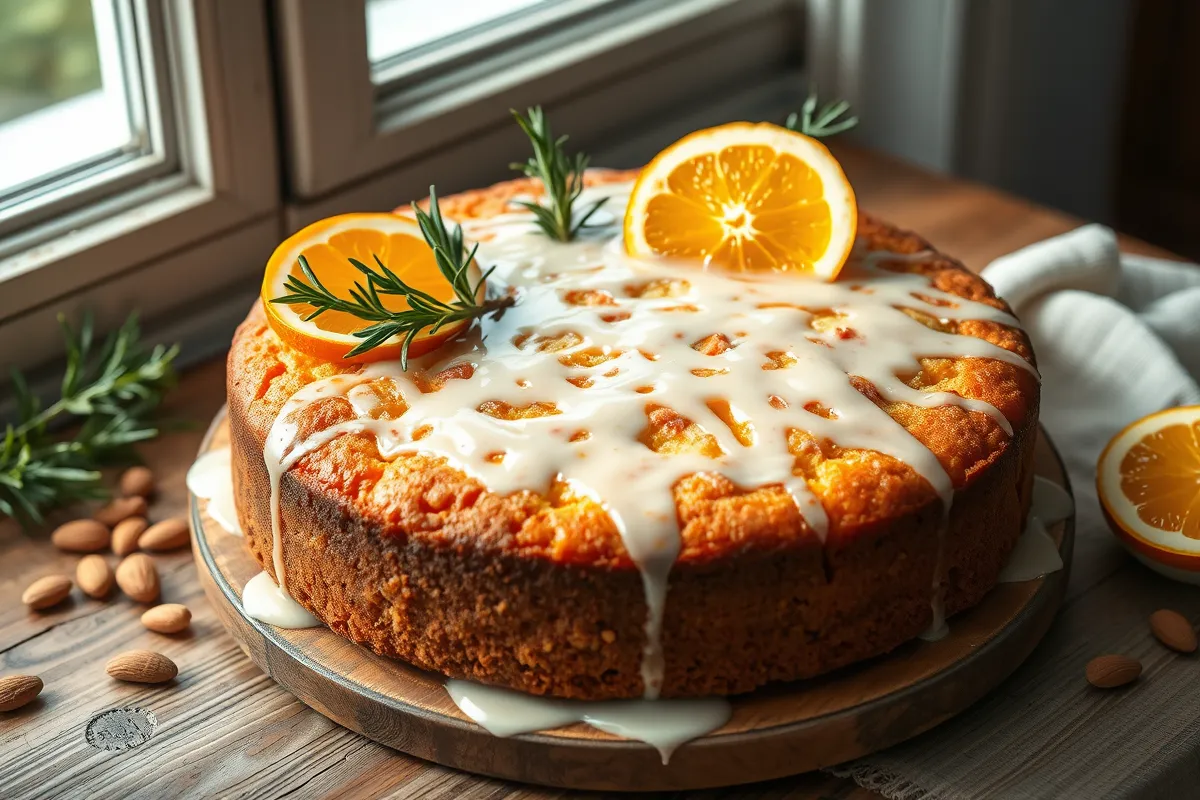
(1148, 481)
(745, 196)
(328, 246)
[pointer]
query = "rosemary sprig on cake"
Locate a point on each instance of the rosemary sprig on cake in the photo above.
(561, 176)
(821, 123)
(425, 315)
(112, 392)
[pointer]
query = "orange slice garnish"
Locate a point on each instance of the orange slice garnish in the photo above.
(1148, 481)
(328, 246)
(745, 197)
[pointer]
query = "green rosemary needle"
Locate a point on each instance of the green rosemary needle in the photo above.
(821, 123)
(424, 313)
(561, 176)
(111, 392)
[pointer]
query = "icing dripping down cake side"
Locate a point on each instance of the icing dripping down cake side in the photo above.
(646, 477)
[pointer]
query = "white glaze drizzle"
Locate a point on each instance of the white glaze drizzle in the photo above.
(760, 315)
(1036, 554)
(264, 601)
(1050, 503)
(663, 724)
(211, 478)
(938, 629)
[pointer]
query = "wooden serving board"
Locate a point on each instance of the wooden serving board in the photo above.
(778, 731)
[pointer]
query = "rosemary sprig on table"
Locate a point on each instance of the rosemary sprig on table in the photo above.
(425, 312)
(820, 123)
(112, 392)
(561, 176)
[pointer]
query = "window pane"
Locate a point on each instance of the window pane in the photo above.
(63, 89)
(399, 27)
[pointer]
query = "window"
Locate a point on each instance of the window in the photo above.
(154, 152)
(393, 39)
(77, 105)
(372, 86)
(70, 77)
(120, 161)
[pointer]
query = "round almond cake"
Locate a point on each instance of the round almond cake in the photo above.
(643, 477)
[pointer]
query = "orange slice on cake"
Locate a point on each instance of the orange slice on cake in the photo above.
(745, 197)
(328, 246)
(1148, 480)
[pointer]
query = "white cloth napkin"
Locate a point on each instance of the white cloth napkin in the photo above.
(1117, 337)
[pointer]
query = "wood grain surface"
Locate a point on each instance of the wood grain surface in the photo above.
(228, 730)
(779, 731)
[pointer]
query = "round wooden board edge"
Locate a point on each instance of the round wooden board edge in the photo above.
(615, 764)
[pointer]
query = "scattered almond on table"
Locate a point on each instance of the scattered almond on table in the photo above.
(17, 691)
(121, 525)
(1173, 630)
(121, 508)
(170, 534)
(137, 482)
(138, 577)
(81, 536)
(1112, 671)
(167, 618)
(94, 576)
(46, 592)
(126, 534)
(142, 666)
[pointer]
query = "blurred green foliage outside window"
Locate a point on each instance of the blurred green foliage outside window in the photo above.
(48, 54)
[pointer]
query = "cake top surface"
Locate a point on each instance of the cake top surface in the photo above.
(625, 394)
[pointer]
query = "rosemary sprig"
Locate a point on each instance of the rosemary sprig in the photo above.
(561, 176)
(112, 391)
(827, 121)
(425, 312)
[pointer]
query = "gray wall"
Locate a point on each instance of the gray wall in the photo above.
(1042, 99)
(1022, 94)
(908, 79)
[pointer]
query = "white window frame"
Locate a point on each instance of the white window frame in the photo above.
(346, 129)
(430, 61)
(136, 246)
(136, 85)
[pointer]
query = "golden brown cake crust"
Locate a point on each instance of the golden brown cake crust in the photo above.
(418, 561)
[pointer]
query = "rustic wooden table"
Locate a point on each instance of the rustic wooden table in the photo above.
(225, 729)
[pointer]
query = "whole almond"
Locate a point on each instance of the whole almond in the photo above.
(81, 536)
(170, 534)
(94, 576)
(121, 508)
(125, 536)
(46, 592)
(1173, 630)
(1111, 671)
(138, 578)
(167, 618)
(137, 482)
(142, 666)
(18, 690)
